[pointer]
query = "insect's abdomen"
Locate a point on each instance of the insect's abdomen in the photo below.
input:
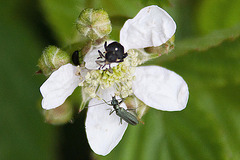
(127, 116)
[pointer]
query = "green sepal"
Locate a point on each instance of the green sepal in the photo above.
(94, 23)
(52, 59)
(60, 115)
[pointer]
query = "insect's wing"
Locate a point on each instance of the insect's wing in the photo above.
(103, 131)
(127, 116)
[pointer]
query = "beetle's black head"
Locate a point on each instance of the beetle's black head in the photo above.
(116, 48)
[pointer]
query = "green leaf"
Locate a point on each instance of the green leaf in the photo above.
(61, 17)
(23, 133)
(197, 44)
(213, 15)
(216, 67)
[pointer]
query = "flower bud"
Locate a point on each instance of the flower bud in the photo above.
(163, 49)
(94, 23)
(132, 102)
(51, 59)
(59, 115)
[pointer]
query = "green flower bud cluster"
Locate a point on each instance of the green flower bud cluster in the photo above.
(51, 59)
(94, 23)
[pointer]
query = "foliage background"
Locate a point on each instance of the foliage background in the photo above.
(206, 56)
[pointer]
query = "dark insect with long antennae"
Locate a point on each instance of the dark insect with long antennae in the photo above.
(121, 112)
(114, 53)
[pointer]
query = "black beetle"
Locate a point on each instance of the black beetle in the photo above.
(114, 53)
(75, 58)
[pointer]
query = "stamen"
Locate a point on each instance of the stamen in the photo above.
(120, 79)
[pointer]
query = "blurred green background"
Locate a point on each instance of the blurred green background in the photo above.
(206, 55)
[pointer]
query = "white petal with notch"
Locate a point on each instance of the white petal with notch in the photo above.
(59, 86)
(103, 131)
(160, 88)
(152, 26)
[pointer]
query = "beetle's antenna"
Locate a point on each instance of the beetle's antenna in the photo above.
(95, 105)
(105, 102)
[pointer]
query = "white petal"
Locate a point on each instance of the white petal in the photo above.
(59, 86)
(91, 57)
(160, 88)
(103, 131)
(152, 26)
(106, 93)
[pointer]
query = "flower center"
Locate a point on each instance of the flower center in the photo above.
(120, 79)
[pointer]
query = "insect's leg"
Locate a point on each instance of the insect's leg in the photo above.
(99, 63)
(121, 101)
(121, 120)
(125, 55)
(103, 66)
(106, 102)
(111, 112)
(100, 54)
(110, 69)
(105, 45)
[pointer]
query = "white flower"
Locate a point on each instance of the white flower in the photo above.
(157, 87)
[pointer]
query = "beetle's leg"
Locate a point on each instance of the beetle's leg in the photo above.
(100, 54)
(103, 65)
(110, 68)
(121, 120)
(111, 112)
(121, 101)
(105, 45)
(125, 55)
(99, 63)
(107, 103)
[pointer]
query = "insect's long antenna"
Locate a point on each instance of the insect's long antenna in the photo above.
(105, 102)
(95, 105)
